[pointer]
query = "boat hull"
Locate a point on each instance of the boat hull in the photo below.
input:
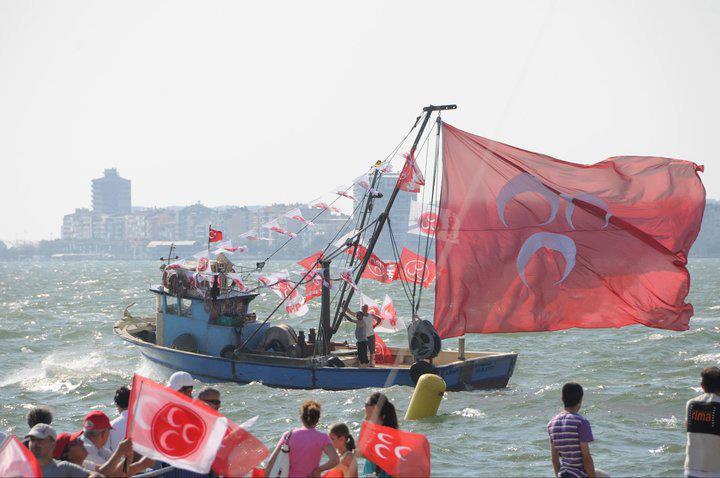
(492, 371)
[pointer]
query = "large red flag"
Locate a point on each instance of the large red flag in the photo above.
(240, 452)
(16, 460)
(528, 243)
(397, 452)
(311, 261)
(169, 426)
(415, 268)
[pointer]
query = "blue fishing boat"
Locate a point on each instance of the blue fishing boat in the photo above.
(213, 334)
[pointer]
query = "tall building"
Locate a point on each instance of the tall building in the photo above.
(111, 194)
(398, 218)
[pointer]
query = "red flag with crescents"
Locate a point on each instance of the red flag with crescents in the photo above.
(215, 235)
(376, 269)
(16, 460)
(414, 268)
(397, 452)
(239, 453)
(410, 178)
(169, 426)
(311, 262)
(530, 243)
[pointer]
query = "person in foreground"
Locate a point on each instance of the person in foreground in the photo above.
(306, 445)
(570, 437)
(344, 444)
(380, 411)
(703, 431)
(41, 440)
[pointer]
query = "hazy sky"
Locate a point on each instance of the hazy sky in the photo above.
(261, 102)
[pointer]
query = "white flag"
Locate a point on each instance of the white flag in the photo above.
(390, 322)
(297, 215)
(423, 219)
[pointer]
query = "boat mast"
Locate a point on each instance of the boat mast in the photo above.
(428, 111)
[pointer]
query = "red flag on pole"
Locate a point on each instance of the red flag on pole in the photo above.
(376, 269)
(411, 268)
(240, 452)
(615, 237)
(311, 262)
(215, 235)
(169, 426)
(16, 460)
(397, 452)
(411, 177)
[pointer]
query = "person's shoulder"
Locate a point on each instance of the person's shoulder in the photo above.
(71, 469)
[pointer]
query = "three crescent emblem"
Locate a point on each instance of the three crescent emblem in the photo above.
(177, 431)
(383, 449)
(428, 222)
(414, 268)
(562, 243)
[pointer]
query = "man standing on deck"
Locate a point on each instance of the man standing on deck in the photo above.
(703, 428)
(370, 320)
(570, 436)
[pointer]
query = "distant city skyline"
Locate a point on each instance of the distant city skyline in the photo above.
(236, 105)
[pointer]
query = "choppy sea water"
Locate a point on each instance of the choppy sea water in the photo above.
(57, 348)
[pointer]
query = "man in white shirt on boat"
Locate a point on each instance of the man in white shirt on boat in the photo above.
(118, 425)
(370, 320)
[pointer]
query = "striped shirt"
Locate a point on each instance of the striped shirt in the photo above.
(567, 430)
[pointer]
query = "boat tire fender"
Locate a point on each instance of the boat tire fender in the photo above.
(186, 342)
(335, 362)
(425, 342)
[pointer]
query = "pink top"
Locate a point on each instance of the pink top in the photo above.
(306, 449)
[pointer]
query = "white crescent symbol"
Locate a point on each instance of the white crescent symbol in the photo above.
(523, 183)
(163, 438)
(184, 432)
(400, 455)
(377, 450)
(548, 240)
(170, 415)
(590, 199)
(381, 435)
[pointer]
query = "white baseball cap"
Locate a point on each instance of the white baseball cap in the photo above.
(42, 431)
(179, 380)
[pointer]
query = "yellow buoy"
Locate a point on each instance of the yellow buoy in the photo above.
(426, 398)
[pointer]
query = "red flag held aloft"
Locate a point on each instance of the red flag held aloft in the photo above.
(397, 452)
(239, 453)
(615, 237)
(169, 426)
(215, 235)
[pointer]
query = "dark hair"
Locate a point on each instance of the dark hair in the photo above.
(206, 391)
(39, 415)
(388, 416)
(710, 379)
(122, 397)
(342, 430)
(310, 413)
(572, 394)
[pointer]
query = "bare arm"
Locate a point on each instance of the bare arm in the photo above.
(587, 459)
(114, 466)
(332, 462)
(141, 465)
(555, 458)
(349, 315)
(273, 456)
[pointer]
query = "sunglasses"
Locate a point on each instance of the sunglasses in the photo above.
(214, 402)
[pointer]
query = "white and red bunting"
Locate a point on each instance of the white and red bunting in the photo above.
(16, 460)
(296, 214)
(280, 284)
(363, 181)
(229, 247)
(203, 262)
(314, 284)
(346, 275)
(411, 178)
(252, 235)
(345, 194)
(274, 225)
(423, 219)
(238, 281)
(166, 425)
(324, 206)
(415, 268)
